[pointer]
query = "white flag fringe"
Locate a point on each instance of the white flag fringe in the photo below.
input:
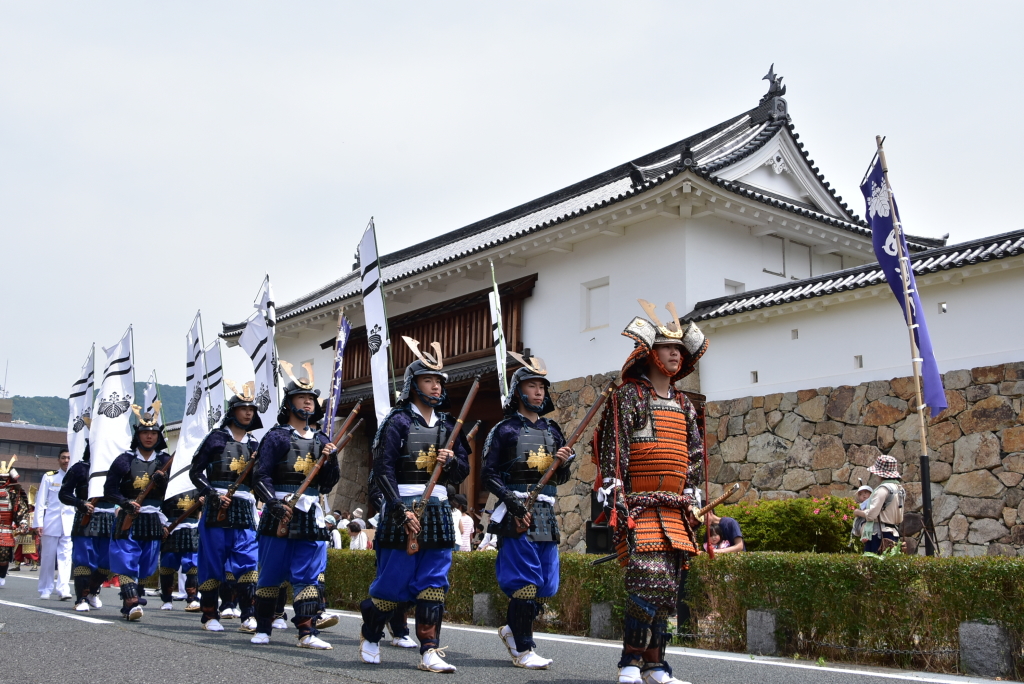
(80, 409)
(214, 385)
(258, 342)
(111, 433)
(498, 335)
(376, 322)
(193, 423)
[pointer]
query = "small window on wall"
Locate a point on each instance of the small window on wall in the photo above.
(594, 304)
(734, 287)
(753, 377)
(798, 261)
(773, 255)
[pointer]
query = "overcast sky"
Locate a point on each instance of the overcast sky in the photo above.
(159, 158)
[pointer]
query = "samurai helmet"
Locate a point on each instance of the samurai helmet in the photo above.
(425, 364)
(533, 368)
(245, 397)
(294, 388)
(148, 422)
(7, 471)
(649, 333)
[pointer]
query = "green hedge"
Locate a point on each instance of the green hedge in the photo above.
(821, 525)
(908, 603)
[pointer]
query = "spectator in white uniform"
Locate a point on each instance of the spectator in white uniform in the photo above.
(53, 520)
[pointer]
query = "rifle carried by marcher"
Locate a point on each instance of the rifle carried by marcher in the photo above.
(412, 543)
(130, 512)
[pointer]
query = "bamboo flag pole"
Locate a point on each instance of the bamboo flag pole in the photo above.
(915, 355)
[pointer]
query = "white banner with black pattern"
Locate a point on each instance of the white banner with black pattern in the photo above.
(214, 385)
(376, 322)
(111, 434)
(258, 342)
(193, 423)
(80, 409)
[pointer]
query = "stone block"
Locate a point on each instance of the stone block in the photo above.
(946, 549)
(846, 403)
(981, 508)
(975, 451)
(485, 611)
(824, 477)
(778, 496)
(980, 484)
(729, 472)
(789, 426)
(735, 426)
(958, 528)
(805, 395)
(955, 403)
(943, 433)
(863, 455)
(773, 419)
(734, 449)
(795, 480)
(941, 533)
(940, 471)
(587, 472)
(813, 409)
(991, 414)
(859, 434)
(958, 379)
(828, 452)
(828, 427)
(885, 438)
(1013, 439)
(747, 470)
(716, 409)
(913, 490)
(978, 392)
(741, 406)
(877, 390)
(769, 475)
(755, 422)
(842, 474)
(1012, 389)
(858, 475)
(1009, 478)
(984, 374)
(800, 454)
(765, 448)
(806, 430)
(986, 530)
(946, 453)
(943, 507)
(602, 621)
(771, 402)
(788, 402)
(1017, 532)
(986, 649)
(995, 549)
(1014, 463)
(1013, 497)
(885, 411)
(903, 388)
(1010, 518)
(763, 632)
(1013, 371)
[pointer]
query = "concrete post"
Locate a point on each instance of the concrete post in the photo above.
(601, 624)
(484, 612)
(762, 627)
(986, 649)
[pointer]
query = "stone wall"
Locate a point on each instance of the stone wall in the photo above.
(350, 492)
(818, 442)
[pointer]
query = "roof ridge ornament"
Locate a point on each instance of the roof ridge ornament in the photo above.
(780, 109)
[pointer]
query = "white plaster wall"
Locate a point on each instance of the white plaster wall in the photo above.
(982, 327)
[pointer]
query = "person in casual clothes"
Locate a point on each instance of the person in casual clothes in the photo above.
(884, 512)
(730, 531)
(357, 540)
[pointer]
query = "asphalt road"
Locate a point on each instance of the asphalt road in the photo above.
(46, 641)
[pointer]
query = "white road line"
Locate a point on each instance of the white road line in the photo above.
(924, 677)
(94, 621)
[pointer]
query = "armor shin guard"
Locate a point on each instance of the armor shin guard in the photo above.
(192, 585)
(81, 588)
(129, 596)
(429, 615)
(636, 630)
(307, 606)
(654, 656)
(245, 592)
(282, 599)
(167, 582)
(398, 624)
(227, 594)
(376, 614)
(266, 600)
(208, 604)
(520, 617)
(96, 580)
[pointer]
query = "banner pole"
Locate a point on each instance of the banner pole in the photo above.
(916, 360)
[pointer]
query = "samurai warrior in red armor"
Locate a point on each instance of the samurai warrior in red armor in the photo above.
(649, 448)
(13, 514)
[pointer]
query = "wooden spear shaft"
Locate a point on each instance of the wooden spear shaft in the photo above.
(915, 355)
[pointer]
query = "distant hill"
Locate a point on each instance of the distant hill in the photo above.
(54, 410)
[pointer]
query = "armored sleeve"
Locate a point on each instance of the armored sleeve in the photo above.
(694, 443)
(387, 445)
(272, 450)
(497, 440)
(77, 475)
(625, 401)
(212, 446)
(457, 469)
(112, 485)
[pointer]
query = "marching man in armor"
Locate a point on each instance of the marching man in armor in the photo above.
(408, 443)
(517, 453)
(134, 554)
(649, 447)
(90, 542)
(287, 454)
(14, 513)
(227, 548)
(179, 552)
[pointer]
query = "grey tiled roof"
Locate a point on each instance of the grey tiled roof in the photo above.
(929, 261)
(713, 149)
